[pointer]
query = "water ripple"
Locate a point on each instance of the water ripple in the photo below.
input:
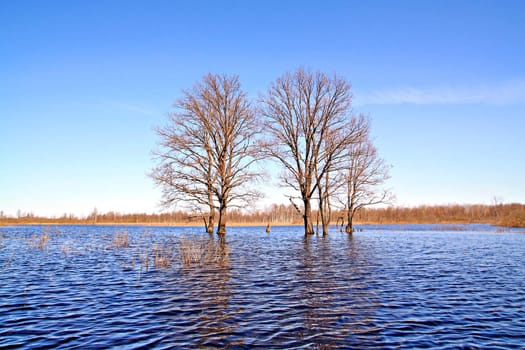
(384, 287)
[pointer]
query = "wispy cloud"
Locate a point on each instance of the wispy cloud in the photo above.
(500, 93)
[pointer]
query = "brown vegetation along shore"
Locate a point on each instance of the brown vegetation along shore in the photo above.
(509, 215)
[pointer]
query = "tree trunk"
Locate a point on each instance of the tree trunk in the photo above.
(221, 227)
(206, 226)
(340, 226)
(325, 219)
(307, 218)
(349, 226)
(326, 213)
(211, 214)
(322, 211)
(317, 223)
(211, 221)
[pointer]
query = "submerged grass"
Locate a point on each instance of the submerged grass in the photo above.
(162, 257)
(121, 239)
(144, 259)
(39, 241)
(202, 250)
(146, 252)
(66, 248)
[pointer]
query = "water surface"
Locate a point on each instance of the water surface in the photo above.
(383, 287)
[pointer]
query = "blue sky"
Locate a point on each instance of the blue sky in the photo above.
(83, 84)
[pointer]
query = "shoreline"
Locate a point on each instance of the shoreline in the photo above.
(233, 224)
(504, 215)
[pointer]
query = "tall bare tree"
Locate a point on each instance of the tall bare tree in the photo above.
(208, 148)
(185, 171)
(309, 128)
(366, 173)
(331, 181)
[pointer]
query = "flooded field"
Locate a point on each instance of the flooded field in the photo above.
(383, 287)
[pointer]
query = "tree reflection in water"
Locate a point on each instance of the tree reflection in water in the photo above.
(214, 295)
(339, 305)
(205, 294)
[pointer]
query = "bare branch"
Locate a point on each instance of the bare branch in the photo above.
(309, 126)
(208, 149)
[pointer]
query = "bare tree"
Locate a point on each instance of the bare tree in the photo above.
(331, 178)
(365, 174)
(185, 172)
(208, 148)
(309, 128)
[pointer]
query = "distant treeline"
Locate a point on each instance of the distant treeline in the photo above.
(512, 215)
